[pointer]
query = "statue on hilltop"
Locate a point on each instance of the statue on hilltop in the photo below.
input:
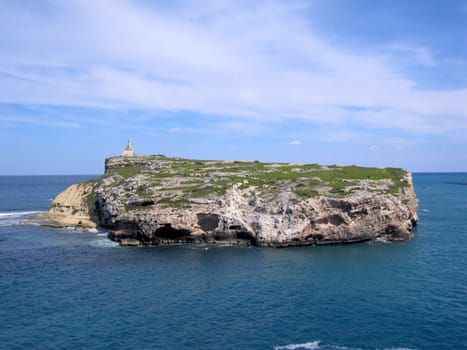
(129, 151)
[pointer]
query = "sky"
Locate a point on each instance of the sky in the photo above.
(367, 82)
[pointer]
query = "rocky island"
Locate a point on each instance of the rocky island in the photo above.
(153, 200)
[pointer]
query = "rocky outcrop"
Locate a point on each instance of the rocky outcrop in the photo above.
(70, 208)
(157, 200)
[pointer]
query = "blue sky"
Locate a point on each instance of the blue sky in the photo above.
(376, 83)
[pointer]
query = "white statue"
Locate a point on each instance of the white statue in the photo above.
(128, 151)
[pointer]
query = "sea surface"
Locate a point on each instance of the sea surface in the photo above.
(65, 289)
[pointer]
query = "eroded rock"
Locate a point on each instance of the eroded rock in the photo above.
(70, 208)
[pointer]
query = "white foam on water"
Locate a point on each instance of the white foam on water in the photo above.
(16, 217)
(103, 242)
(196, 246)
(308, 346)
(382, 240)
(19, 213)
(316, 345)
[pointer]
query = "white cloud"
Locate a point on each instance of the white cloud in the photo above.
(419, 54)
(175, 130)
(249, 62)
(295, 143)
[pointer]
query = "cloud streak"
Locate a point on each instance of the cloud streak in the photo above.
(15, 120)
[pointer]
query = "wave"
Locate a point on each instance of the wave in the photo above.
(456, 183)
(308, 346)
(316, 345)
(17, 217)
(19, 213)
(102, 242)
(383, 240)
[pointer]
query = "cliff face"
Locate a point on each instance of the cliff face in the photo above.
(70, 207)
(157, 200)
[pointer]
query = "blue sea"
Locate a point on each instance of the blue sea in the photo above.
(65, 289)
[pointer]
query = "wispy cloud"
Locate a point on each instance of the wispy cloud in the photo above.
(242, 62)
(40, 121)
(400, 142)
(416, 54)
(340, 136)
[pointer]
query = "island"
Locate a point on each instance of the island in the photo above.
(156, 200)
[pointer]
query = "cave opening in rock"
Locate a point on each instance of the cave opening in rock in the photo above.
(208, 222)
(142, 203)
(168, 232)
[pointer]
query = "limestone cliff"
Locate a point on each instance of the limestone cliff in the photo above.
(70, 208)
(151, 200)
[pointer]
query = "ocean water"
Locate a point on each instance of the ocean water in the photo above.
(64, 289)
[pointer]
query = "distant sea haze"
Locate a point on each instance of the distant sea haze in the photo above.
(66, 289)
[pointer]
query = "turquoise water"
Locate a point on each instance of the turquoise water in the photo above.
(62, 289)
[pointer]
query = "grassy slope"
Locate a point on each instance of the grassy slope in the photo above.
(177, 181)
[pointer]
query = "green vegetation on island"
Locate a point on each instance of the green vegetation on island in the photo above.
(177, 182)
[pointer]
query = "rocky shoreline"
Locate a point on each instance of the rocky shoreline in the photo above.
(154, 200)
